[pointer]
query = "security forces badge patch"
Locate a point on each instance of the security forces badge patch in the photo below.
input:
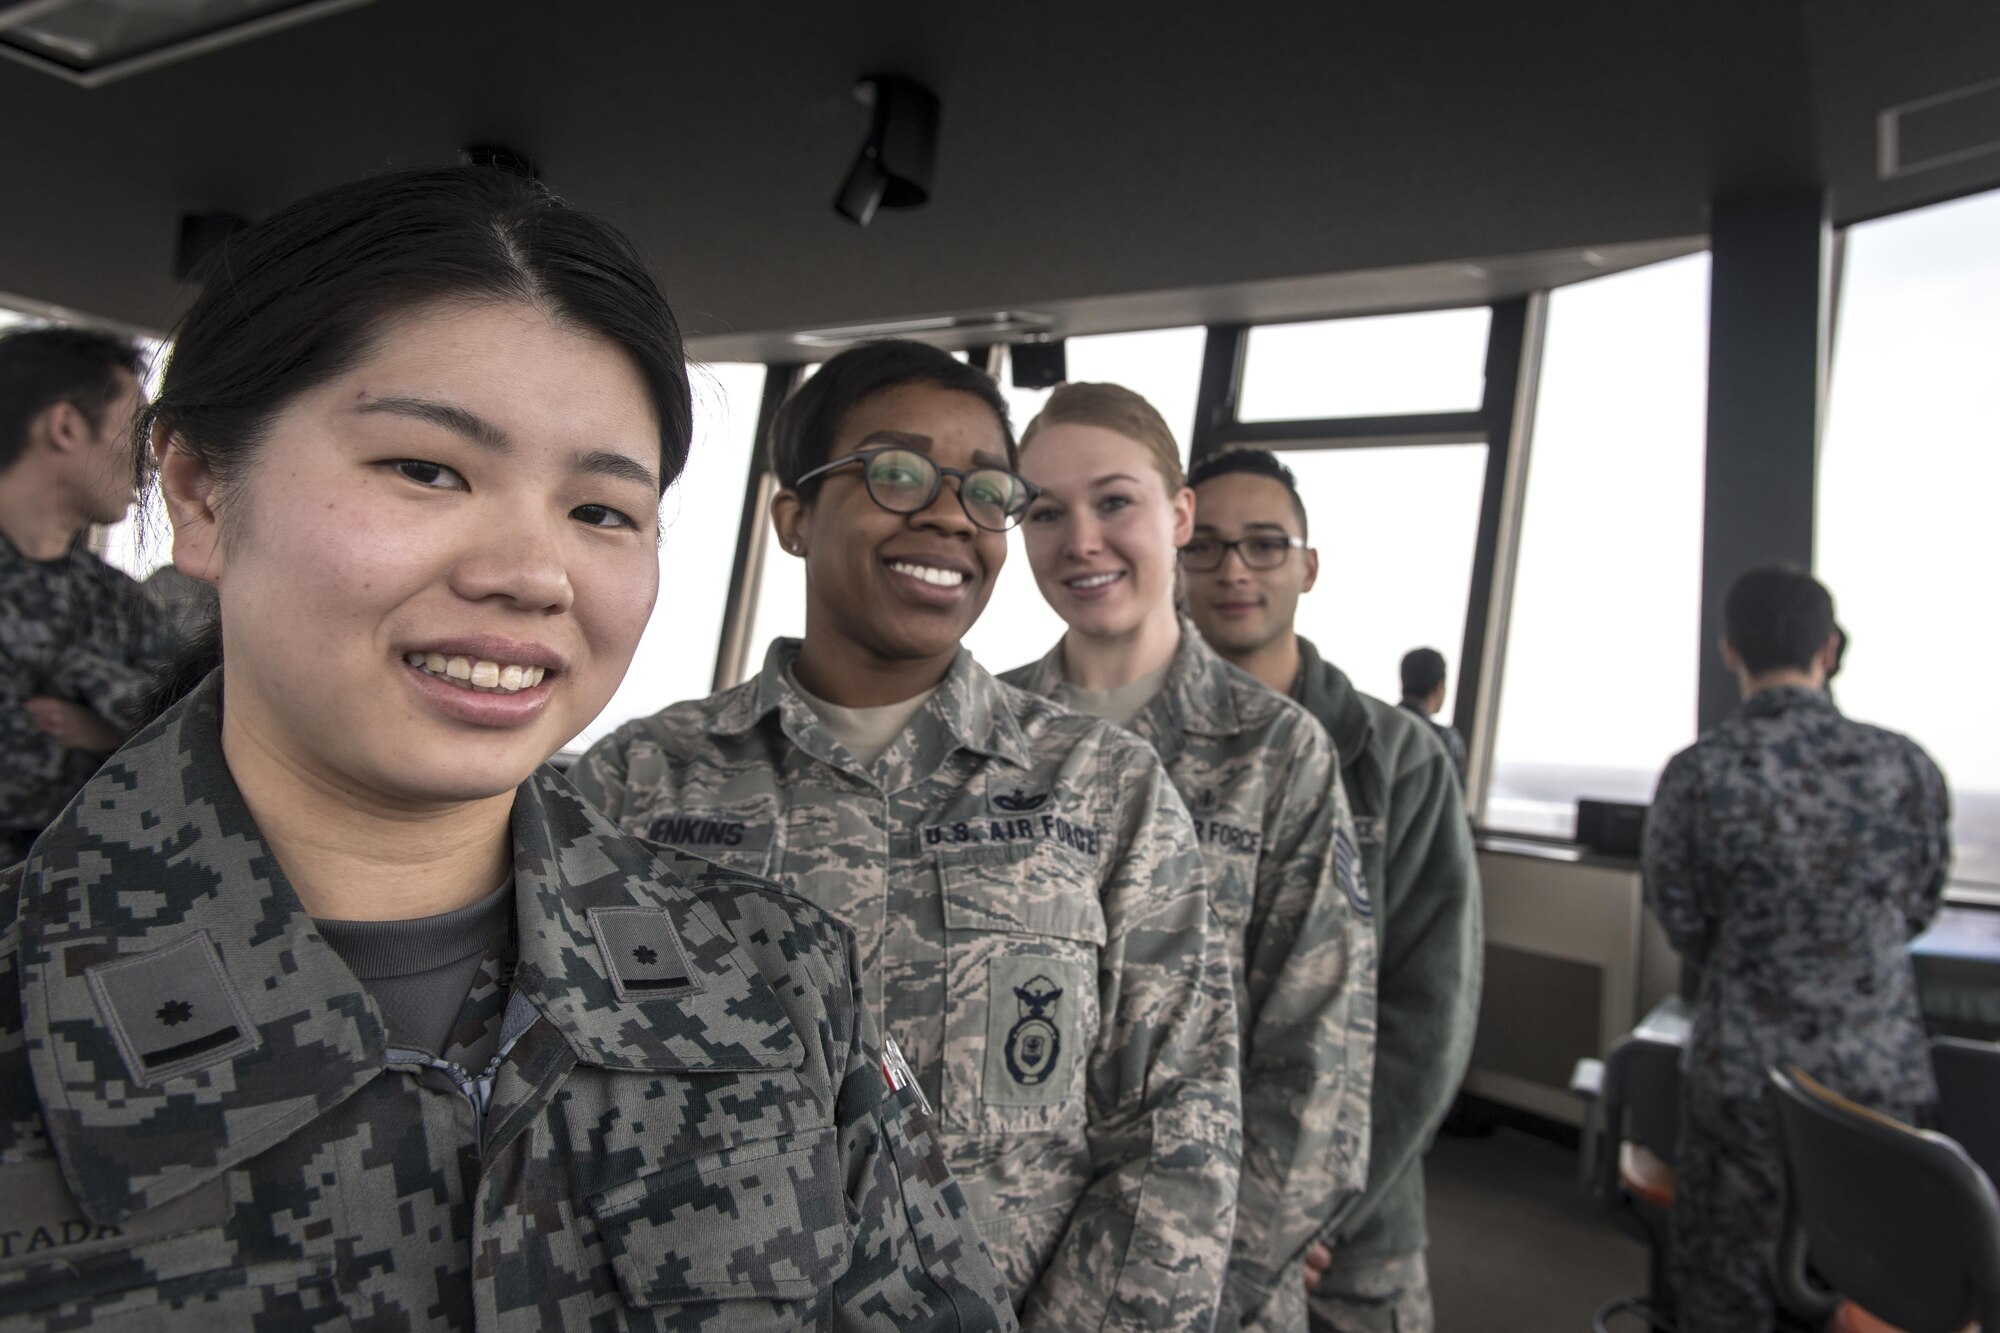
(1031, 1029)
(1034, 1043)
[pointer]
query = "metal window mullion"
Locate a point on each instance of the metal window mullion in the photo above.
(1348, 432)
(1221, 381)
(746, 573)
(1514, 371)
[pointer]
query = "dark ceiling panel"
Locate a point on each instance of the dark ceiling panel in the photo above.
(1088, 151)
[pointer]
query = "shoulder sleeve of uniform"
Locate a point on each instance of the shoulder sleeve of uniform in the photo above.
(618, 772)
(600, 774)
(1427, 1001)
(1670, 857)
(1928, 816)
(1310, 975)
(1147, 1244)
(917, 1260)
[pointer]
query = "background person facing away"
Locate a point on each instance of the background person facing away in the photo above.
(79, 641)
(1791, 854)
(1423, 673)
(1034, 926)
(1245, 568)
(336, 1006)
(1260, 779)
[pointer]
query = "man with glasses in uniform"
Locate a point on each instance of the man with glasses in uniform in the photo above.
(1245, 569)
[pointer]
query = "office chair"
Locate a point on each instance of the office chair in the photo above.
(1631, 1119)
(1897, 1221)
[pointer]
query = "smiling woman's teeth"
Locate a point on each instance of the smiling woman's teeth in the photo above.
(1095, 580)
(476, 673)
(942, 578)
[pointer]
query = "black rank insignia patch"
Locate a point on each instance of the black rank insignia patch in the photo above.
(642, 952)
(173, 1011)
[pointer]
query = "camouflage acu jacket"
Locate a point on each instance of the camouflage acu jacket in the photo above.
(205, 1125)
(1417, 856)
(1034, 931)
(1277, 843)
(1791, 854)
(76, 629)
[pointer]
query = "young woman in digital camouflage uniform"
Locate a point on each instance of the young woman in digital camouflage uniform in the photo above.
(1034, 927)
(325, 1004)
(1259, 777)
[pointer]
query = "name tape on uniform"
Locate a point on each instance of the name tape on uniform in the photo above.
(41, 1222)
(702, 832)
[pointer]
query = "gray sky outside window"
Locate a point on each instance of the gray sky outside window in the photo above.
(1600, 673)
(1394, 526)
(1376, 366)
(1908, 487)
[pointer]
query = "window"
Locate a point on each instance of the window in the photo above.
(1377, 366)
(1599, 688)
(698, 523)
(1394, 528)
(1017, 625)
(1909, 481)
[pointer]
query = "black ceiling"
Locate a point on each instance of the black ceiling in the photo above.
(1163, 160)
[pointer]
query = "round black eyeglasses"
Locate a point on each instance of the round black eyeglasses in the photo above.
(903, 481)
(1204, 555)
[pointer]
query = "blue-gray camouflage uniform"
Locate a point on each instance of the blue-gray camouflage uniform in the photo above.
(1277, 840)
(206, 1125)
(71, 628)
(1791, 855)
(1417, 854)
(1035, 933)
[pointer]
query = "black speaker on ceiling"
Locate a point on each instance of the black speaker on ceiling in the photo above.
(1040, 365)
(201, 238)
(893, 169)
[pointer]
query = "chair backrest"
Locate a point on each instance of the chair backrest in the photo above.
(1644, 1078)
(1968, 1075)
(1898, 1220)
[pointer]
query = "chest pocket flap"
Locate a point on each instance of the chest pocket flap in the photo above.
(1036, 889)
(768, 1219)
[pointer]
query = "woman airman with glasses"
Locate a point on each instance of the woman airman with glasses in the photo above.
(1035, 932)
(1109, 508)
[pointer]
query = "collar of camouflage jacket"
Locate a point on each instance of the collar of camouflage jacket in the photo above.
(966, 712)
(1195, 700)
(1325, 691)
(188, 1016)
(1783, 698)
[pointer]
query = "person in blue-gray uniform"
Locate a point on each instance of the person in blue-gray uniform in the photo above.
(79, 640)
(1791, 854)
